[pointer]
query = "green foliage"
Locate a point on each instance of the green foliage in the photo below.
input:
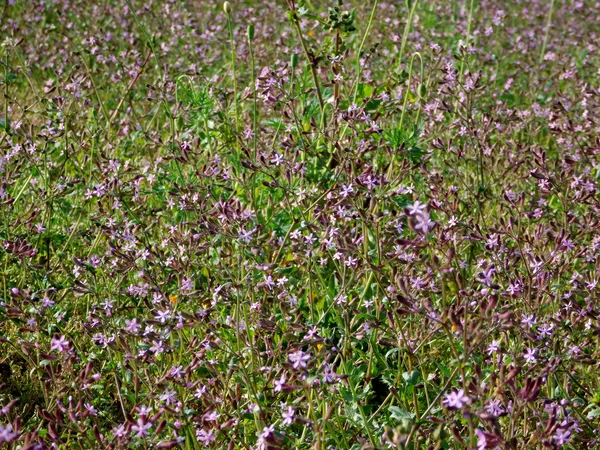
(406, 142)
(341, 20)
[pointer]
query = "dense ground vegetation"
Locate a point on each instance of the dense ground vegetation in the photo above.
(299, 224)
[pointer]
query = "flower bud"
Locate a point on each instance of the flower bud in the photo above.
(227, 8)
(250, 32)
(294, 60)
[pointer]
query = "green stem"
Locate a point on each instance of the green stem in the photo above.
(408, 83)
(235, 97)
(313, 68)
(254, 126)
(360, 49)
(6, 90)
(255, 111)
(336, 86)
(409, 21)
(358, 68)
(150, 43)
(548, 23)
(360, 408)
(462, 64)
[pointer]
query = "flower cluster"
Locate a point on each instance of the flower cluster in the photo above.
(300, 225)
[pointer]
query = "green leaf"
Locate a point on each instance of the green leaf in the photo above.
(411, 378)
(346, 394)
(365, 90)
(303, 11)
(400, 414)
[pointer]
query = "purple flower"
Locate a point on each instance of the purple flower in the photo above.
(299, 359)
(144, 410)
(91, 409)
(133, 326)
(187, 285)
(347, 189)
(529, 356)
(266, 432)
(561, 437)
(417, 208)
(288, 416)
(481, 439)
(528, 320)
(60, 344)
(206, 437)
(141, 427)
(424, 223)
(494, 346)
(279, 384)
(494, 407)
(456, 400)
(119, 432)
(157, 347)
(7, 434)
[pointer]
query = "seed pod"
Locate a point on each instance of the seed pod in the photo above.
(161, 426)
(227, 8)
(294, 61)
(168, 444)
(250, 32)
